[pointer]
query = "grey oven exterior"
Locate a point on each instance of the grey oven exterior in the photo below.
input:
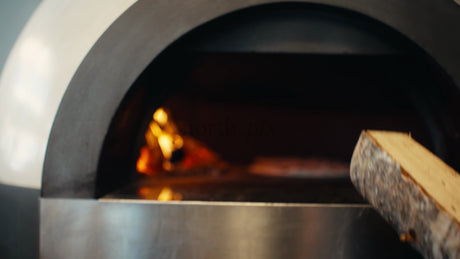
(75, 222)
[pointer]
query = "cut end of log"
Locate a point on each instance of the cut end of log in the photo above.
(411, 188)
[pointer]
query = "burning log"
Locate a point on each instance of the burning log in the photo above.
(412, 189)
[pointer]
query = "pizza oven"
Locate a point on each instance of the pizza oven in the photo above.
(225, 129)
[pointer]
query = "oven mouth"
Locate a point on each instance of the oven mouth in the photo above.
(270, 132)
(260, 106)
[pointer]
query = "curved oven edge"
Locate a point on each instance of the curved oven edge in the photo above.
(149, 229)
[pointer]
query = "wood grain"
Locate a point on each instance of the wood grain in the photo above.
(412, 189)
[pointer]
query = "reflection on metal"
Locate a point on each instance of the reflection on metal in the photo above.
(167, 194)
(71, 228)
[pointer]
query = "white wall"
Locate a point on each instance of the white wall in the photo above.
(40, 66)
(13, 16)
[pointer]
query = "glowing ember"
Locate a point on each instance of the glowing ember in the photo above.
(298, 167)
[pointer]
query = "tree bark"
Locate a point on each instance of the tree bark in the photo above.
(402, 202)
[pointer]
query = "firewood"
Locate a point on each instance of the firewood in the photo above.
(412, 189)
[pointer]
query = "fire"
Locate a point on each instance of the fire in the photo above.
(166, 133)
(160, 116)
(166, 150)
(143, 161)
(161, 135)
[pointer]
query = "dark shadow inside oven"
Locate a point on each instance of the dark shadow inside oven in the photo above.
(266, 105)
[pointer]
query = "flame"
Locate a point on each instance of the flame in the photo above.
(160, 116)
(166, 145)
(162, 135)
(142, 165)
(163, 142)
(165, 132)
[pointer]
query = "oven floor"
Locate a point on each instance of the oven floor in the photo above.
(242, 188)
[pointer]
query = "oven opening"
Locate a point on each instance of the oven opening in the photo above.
(239, 110)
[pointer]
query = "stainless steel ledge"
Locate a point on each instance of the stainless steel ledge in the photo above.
(84, 228)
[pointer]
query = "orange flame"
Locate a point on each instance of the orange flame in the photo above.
(163, 140)
(142, 165)
(162, 135)
(166, 133)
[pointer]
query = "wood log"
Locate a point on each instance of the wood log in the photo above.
(412, 189)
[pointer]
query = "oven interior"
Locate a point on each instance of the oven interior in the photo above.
(266, 105)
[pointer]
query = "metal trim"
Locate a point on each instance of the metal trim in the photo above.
(76, 228)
